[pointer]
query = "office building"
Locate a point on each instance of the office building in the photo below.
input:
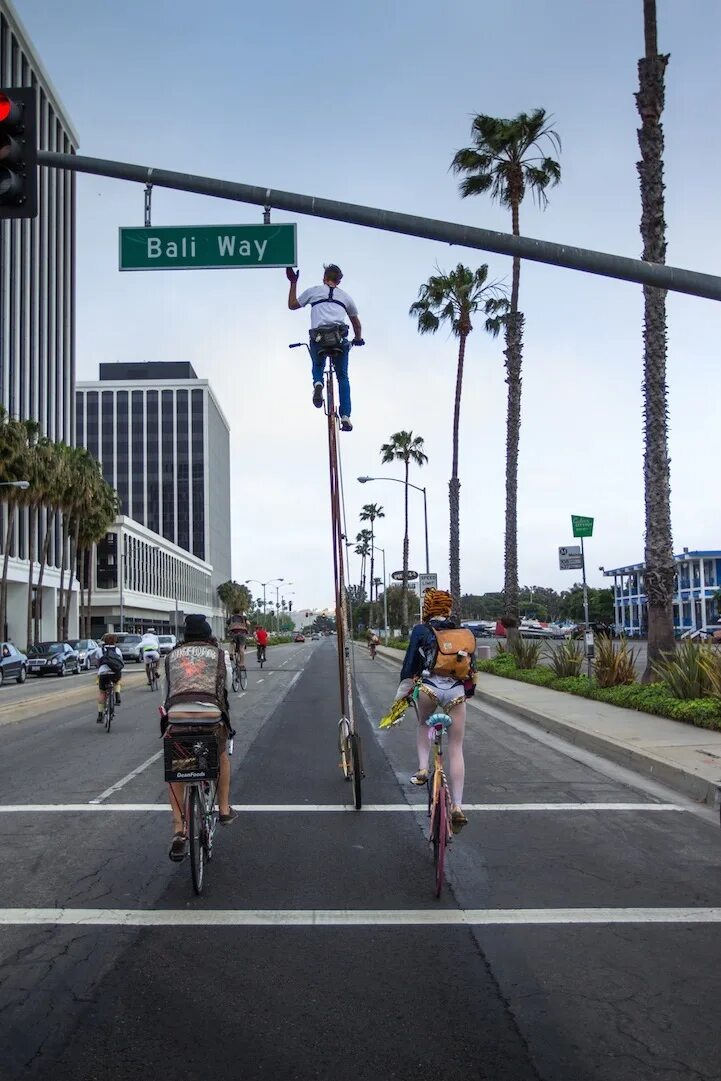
(164, 445)
(696, 596)
(37, 310)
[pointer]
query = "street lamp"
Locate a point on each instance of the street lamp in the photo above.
(23, 485)
(385, 590)
(397, 480)
(264, 584)
(277, 603)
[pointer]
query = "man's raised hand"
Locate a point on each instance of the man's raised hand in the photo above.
(292, 275)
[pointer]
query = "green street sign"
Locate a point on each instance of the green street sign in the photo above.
(208, 247)
(582, 527)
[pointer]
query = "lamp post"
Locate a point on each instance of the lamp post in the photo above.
(282, 601)
(277, 604)
(264, 584)
(385, 590)
(397, 480)
(23, 485)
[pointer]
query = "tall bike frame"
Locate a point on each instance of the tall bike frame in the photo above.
(349, 742)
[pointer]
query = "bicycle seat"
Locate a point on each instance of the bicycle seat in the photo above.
(439, 720)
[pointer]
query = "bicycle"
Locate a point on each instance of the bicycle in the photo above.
(152, 674)
(109, 705)
(240, 673)
(372, 650)
(261, 655)
(439, 798)
(192, 757)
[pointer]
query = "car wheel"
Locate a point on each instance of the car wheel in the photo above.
(61, 671)
(22, 675)
(2, 677)
(77, 668)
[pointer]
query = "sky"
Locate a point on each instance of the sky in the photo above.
(367, 103)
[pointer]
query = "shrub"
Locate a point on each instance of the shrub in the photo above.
(566, 660)
(500, 649)
(525, 652)
(614, 664)
(690, 671)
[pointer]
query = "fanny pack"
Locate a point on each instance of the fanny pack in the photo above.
(329, 337)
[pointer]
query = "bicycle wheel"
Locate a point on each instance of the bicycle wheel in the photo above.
(357, 768)
(210, 818)
(236, 678)
(109, 708)
(195, 838)
(439, 837)
(243, 678)
(344, 749)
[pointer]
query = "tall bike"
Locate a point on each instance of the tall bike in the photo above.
(349, 742)
(440, 833)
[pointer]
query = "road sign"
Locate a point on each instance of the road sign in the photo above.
(427, 581)
(208, 247)
(570, 558)
(582, 527)
(410, 576)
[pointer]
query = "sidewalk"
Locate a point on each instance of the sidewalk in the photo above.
(686, 758)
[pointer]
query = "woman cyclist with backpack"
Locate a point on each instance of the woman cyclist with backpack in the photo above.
(110, 670)
(441, 657)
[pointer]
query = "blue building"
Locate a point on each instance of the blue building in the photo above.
(698, 579)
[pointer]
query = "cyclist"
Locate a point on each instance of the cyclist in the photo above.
(150, 650)
(443, 686)
(110, 670)
(373, 642)
(198, 678)
(261, 637)
(238, 631)
(329, 308)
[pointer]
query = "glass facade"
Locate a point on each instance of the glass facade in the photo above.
(152, 515)
(121, 457)
(198, 477)
(183, 468)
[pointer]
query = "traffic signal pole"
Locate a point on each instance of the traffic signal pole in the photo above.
(463, 236)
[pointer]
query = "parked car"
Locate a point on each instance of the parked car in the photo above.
(315, 637)
(53, 659)
(166, 642)
(13, 663)
(129, 646)
(299, 637)
(86, 651)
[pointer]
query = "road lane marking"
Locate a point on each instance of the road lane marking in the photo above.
(306, 808)
(314, 917)
(128, 777)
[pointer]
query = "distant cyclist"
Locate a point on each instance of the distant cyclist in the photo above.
(150, 650)
(261, 637)
(373, 643)
(329, 307)
(238, 632)
(110, 670)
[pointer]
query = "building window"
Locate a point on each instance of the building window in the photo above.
(121, 461)
(183, 460)
(137, 445)
(167, 461)
(93, 429)
(152, 517)
(107, 407)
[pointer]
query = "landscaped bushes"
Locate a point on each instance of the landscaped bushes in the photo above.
(656, 698)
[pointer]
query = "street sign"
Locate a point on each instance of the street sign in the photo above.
(410, 576)
(582, 527)
(208, 247)
(570, 558)
(427, 581)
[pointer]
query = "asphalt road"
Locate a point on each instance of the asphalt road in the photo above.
(576, 940)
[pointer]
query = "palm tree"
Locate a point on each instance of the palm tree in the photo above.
(363, 541)
(454, 298)
(404, 447)
(507, 159)
(13, 454)
(54, 472)
(370, 512)
(660, 572)
(93, 527)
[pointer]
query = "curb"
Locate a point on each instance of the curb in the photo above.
(681, 780)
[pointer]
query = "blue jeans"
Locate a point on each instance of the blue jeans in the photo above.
(340, 363)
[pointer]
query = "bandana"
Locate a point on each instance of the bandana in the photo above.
(436, 603)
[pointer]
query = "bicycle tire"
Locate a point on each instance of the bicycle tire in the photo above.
(109, 709)
(357, 768)
(243, 678)
(210, 820)
(344, 748)
(439, 839)
(195, 839)
(236, 680)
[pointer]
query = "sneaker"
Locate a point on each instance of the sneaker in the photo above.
(317, 395)
(99, 718)
(117, 699)
(225, 820)
(178, 848)
(345, 424)
(458, 819)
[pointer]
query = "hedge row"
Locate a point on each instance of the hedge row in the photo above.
(653, 698)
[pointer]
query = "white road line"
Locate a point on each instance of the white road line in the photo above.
(125, 780)
(306, 808)
(260, 680)
(314, 917)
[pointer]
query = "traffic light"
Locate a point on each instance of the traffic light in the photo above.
(290, 606)
(18, 154)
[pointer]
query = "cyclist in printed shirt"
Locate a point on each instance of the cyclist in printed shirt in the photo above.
(110, 664)
(261, 637)
(238, 630)
(328, 304)
(150, 648)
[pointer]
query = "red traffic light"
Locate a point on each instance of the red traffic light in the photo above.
(8, 109)
(18, 153)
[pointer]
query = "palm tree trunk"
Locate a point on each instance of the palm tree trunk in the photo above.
(454, 490)
(404, 599)
(370, 611)
(10, 511)
(660, 572)
(61, 589)
(91, 573)
(72, 572)
(33, 520)
(41, 575)
(514, 357)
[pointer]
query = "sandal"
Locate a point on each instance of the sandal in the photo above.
(420, 777)
(458, 819)
(178, 847)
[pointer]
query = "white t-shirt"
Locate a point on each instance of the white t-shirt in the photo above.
(149, 642)
(328, 311)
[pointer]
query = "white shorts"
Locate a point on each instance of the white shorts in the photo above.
(444, 692)
(151, 655)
